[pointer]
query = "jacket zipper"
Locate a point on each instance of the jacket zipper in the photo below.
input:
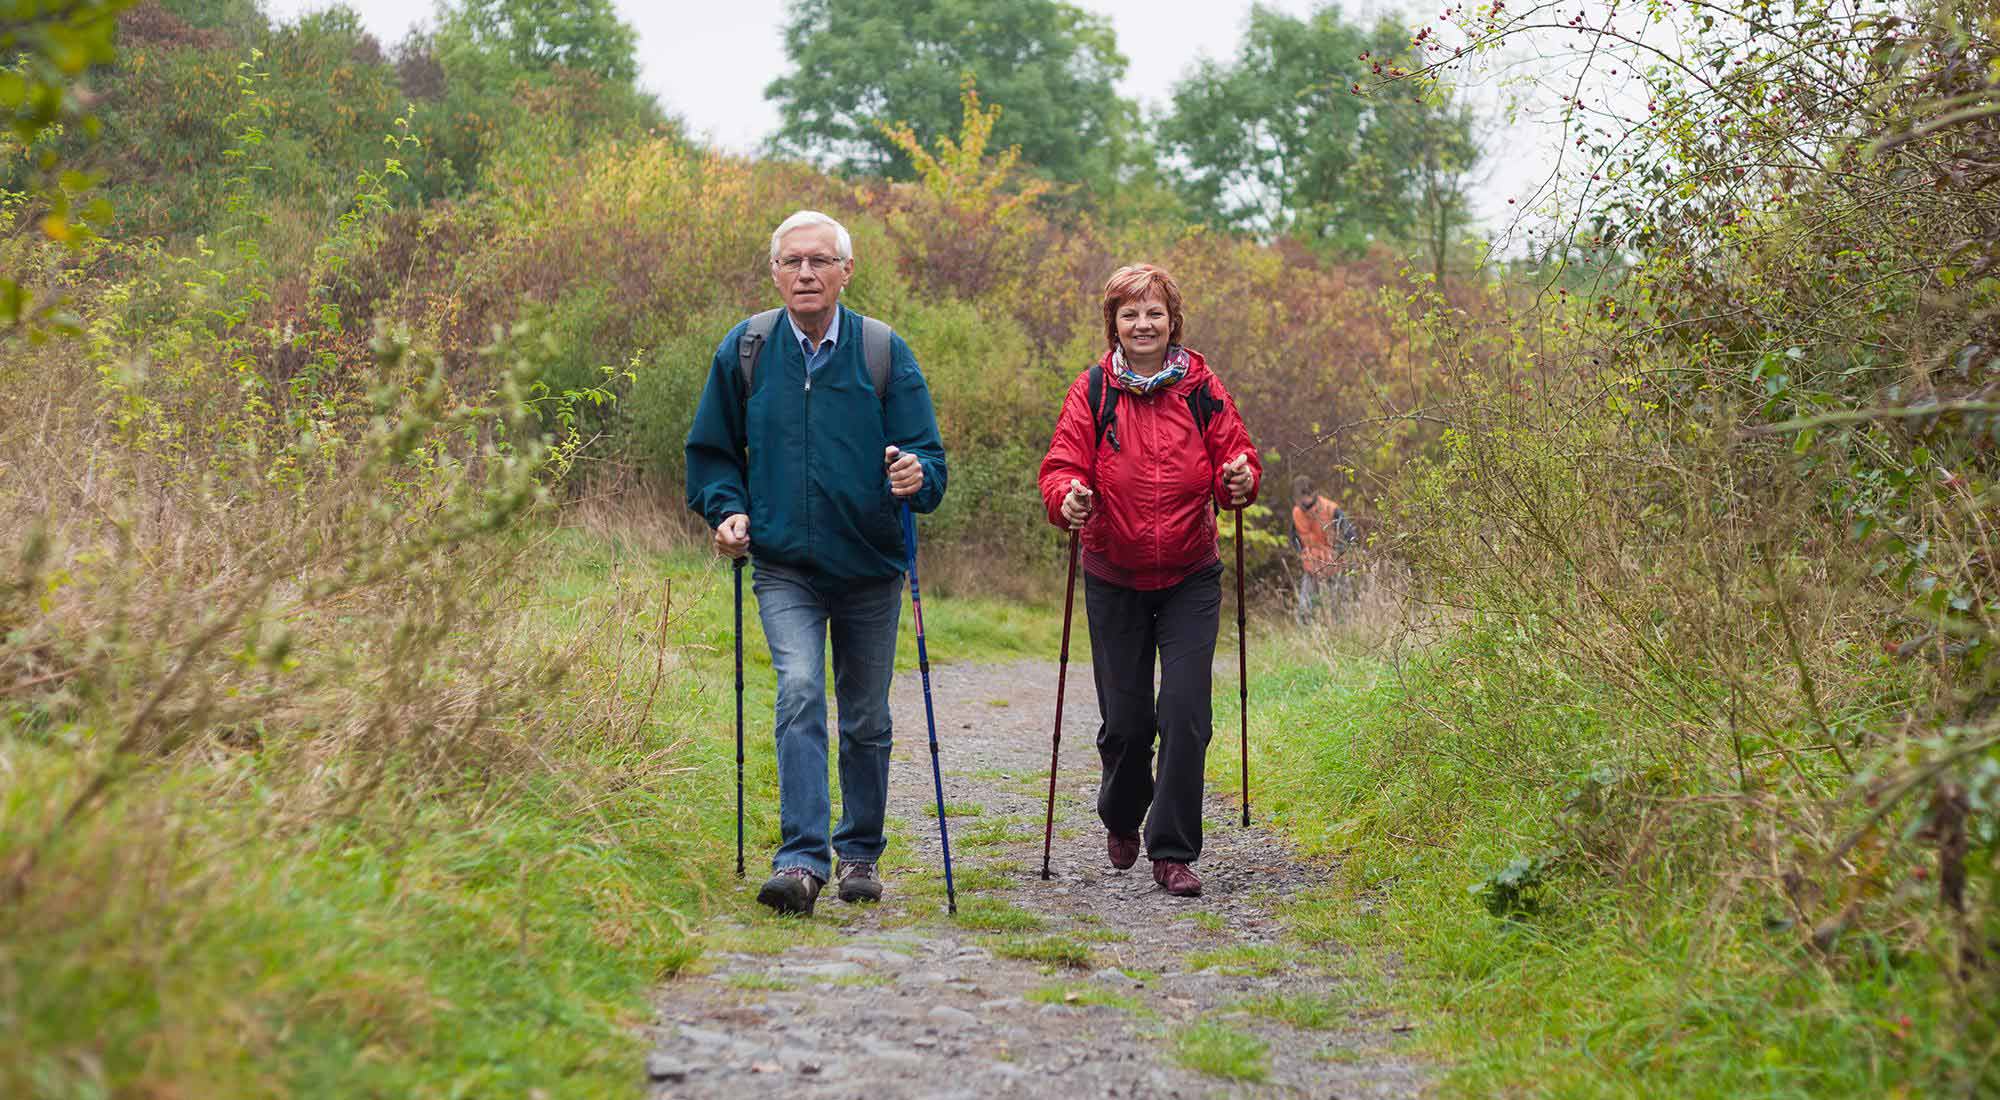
(809, 460)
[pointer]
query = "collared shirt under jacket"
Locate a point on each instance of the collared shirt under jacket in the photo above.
(805, 464)
(1157, 489)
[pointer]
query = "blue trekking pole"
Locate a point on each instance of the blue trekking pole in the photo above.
(739, 717)
(930, 714)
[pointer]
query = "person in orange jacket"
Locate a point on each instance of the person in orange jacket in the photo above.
(1321, 533)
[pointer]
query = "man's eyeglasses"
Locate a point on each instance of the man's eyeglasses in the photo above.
(791, 264)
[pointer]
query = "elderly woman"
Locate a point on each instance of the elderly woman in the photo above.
(1148, 445)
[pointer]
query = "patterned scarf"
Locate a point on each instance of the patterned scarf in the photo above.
(1173, 370)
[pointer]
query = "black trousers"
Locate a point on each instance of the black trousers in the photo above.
(1128, 628)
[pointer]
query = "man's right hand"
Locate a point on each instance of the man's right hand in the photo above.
(732, 536)
(1076, 506)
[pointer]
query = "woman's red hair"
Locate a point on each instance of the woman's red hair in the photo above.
(1136, 284)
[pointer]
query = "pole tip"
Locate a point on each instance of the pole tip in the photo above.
(1246, 819)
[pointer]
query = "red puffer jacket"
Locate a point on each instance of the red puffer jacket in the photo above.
(1157, 489)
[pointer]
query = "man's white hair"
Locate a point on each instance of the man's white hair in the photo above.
(842, 243)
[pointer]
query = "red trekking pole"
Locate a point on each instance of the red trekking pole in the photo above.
(1062, 676)
(1242, 667)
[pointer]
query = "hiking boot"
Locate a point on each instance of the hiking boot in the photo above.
(792, 890)
(858, 882)
(1123, 849)
(1177, 877)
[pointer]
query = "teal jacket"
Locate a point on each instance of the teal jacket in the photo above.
(806, 465)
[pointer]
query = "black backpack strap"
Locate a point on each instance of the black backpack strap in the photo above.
(1203, 405)
(875, 348)
(751, 344)
(1103, 405)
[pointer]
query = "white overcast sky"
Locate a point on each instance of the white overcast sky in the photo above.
(709, 60)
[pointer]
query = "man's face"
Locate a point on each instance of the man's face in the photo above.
(1306, 499)
(809, 271)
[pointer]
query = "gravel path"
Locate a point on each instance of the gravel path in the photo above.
(1086, 985)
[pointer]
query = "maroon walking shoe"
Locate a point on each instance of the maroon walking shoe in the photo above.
(1123, 848)
(1177, 877)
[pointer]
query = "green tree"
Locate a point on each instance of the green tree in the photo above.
(1433, 151)
(1050, 65)
(538, 35)
(1283, 140)
(538, 78)
(241, 20)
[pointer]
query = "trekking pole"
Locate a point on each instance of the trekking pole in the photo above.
(1062, 675)
(739, 717)
(1242, 667)
(930, 714)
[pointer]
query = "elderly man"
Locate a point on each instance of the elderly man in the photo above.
(815, 428)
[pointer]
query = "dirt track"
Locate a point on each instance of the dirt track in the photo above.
(896, 1000)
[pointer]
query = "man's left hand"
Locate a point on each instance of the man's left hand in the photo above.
(1237, 478)
(906, 474)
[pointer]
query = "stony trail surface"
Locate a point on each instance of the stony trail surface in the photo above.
(1079, 986)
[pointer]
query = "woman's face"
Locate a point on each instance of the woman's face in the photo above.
(1143, 327)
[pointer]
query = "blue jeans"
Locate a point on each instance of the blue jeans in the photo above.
(798, 611)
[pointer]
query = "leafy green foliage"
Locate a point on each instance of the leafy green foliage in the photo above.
(860, 63)
(1513, 890)
(49, 48)
(1281, 140)
(540, 35)
(1720, 631)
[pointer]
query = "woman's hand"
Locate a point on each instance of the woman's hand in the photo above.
(1237, 478)
(1077, 504)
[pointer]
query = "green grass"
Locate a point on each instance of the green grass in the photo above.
(1048, 950)
(1668, 993)
(759, 983)
(1311, 1012)
(1261, 960)
(975, 880)
(494, 941)
(766, 934)
(971, 629)
(992, 833)
(1219, 1051)
(992, 915)
(953, 809)
(1083, 994)
(1209, 922)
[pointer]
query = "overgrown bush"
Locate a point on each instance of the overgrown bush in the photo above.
(1713, 540)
